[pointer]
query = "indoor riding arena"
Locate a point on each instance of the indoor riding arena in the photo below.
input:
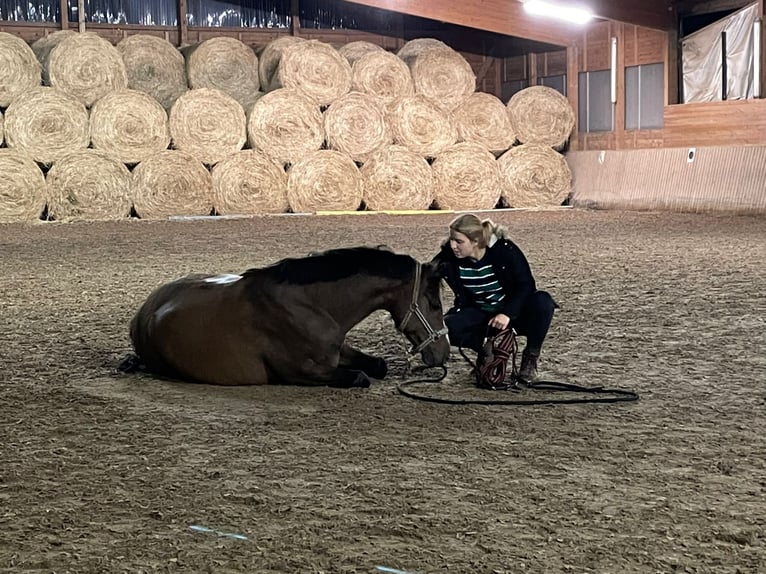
(625, 165)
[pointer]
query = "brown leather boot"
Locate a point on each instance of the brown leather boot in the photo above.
(528, 369)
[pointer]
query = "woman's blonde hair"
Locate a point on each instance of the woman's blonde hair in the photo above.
(479, 230)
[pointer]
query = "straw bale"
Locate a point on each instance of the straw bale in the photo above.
(382, 74)
(171, 183)
(88, 185)
(46, 124)
(534, 175)
(419, 125)
(414, 48)
(208, 124)
(443, 76)
(269, 58)
(129, 125)
(285, 125)
(396, 178)
(466, 176)
(42, 47)
(540, 114)
(86, 66)
(352, 51)
(154, 66)
(483, 119)
(324, 180)
(19, 68)
(2, 128)
(356, 125)
(315, 69)
(22, 187)
(249, 182)
(225, 64)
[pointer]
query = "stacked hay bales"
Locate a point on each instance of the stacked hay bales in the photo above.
(88, 185)
(129, 126)
(22, 187)
(21, 70)
(535, 174)
(154, 66)
(222, 128)
(46, 123)
(208, 124)
(224, 64)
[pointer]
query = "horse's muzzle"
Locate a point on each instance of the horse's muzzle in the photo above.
(436, 354)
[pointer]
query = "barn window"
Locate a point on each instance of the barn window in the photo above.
(558, 83)
(238, 14)
(594, 98)
(644, 96)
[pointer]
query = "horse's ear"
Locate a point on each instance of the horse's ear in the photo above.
(384, 247)
(437, 268)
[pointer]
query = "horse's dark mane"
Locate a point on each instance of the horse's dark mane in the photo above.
(337, 264)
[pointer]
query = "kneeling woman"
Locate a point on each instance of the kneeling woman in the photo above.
(494, 290)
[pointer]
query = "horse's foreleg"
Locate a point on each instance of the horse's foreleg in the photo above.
(352, 358)
(332, 377)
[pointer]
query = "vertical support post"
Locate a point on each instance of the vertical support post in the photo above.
(183, 26)
(81, 15)
(671, 67)
(724, 68)
(532, 69)
(295, 18)
(64, 9)
(757, 25)
(573, 75)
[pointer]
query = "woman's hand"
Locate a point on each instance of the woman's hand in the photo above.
(500, 321)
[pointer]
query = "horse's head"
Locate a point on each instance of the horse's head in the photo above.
(423, 322)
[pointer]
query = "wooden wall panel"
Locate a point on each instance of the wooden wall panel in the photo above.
(733, 122)
(596, 51)
(552, 63)
(650, 45)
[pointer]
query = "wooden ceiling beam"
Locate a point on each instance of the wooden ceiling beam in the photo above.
(657, 14)
(501, 16)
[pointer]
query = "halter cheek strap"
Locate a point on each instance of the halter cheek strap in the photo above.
(414, 310)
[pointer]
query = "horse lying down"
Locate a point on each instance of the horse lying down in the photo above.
(287, 323)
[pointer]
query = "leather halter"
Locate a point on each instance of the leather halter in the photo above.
(414, 311)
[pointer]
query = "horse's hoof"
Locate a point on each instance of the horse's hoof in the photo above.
(361, 381)
(380, 370)
(130, 364)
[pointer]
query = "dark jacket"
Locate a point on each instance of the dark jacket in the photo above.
(510, 267)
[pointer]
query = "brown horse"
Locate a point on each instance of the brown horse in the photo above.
(287, 323)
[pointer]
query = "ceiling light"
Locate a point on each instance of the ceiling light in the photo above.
(568, 13)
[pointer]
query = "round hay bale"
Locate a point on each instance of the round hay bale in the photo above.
(20, 68)
(285, 125)
(324, 180)
(269, 58)
(534, 175)
(420, 126)
(352, 51)
(88, 185)
(46, 124)
(42, 47)
(22, 187)
(356, 125)
(154, 66)
(208, 124)
(172, 183)
(129, 125)
(466, 176)
(315, 69)
(87, 67)
(225, 64)
(540, 114)
(444, 77)
(482, 118)
(2, 128)
(382, 74)
(414, 48)
(397, 178)
(248, 182)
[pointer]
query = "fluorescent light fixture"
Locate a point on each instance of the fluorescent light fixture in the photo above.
(613, 70)
(560, 11)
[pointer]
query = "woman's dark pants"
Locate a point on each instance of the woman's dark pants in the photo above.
(468, 326)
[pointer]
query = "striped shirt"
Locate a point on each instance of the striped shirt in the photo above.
(479, 280)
